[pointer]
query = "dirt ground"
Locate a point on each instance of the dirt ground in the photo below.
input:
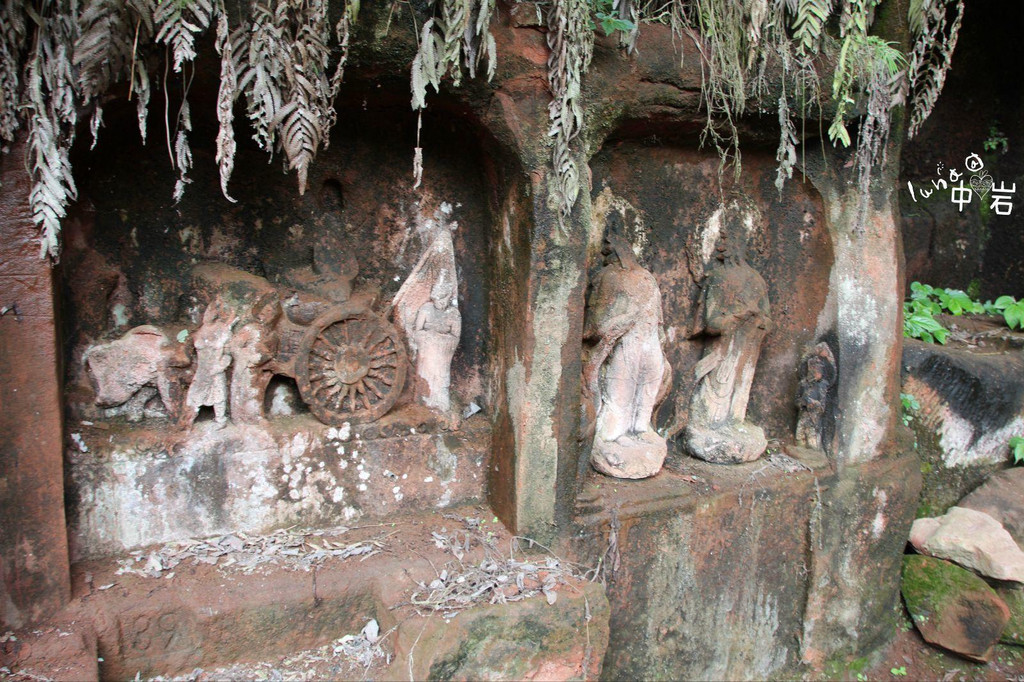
(911, 658)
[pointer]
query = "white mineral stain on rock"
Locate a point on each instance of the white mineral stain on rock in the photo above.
(880, 521)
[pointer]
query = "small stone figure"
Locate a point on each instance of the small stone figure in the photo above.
(129, 372)
(736, 318)
(252, 348)
(436, 333)
(625, 369)
(817, 375)
(210, 383)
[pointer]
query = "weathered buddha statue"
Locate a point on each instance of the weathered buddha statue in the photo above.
(735, 318)
(625, 369)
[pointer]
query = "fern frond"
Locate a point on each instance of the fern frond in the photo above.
(931, 56)
(104, 47)
(571, 41)
(52, 115)
(13, 35)
(182, 151)
(226, 96)
(808, 23)
(263, 71)
(178, 23)
(785, 156)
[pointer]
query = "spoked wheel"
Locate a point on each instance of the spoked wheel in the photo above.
(350, 367)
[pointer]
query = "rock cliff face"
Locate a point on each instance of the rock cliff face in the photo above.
(726, 572)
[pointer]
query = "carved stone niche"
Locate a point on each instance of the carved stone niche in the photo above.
(626, 373)
(734, 319)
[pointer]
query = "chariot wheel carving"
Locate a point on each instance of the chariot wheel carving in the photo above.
(350, 367)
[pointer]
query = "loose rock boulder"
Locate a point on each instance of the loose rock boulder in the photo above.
(953, 608)
(1002, 498)
(972, 539)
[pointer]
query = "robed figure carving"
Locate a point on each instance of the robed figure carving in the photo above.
(625, 371)
(735, 319)
(427, 307)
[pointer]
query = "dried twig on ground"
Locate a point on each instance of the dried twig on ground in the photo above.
(290, 549)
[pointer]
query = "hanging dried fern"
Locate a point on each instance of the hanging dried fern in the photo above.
(182, 151)
(52, 114)
(106, 51)
(936, 35)
(284, 75)
(571, 41)
(226, 96)
(459, 37)
(178, 23)
(13, 35)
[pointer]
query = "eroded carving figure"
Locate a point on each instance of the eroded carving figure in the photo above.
(210, 383)
(252, 349)
(625, 368)
(427, 307)
(817, 375)
(735, 319)
(128, 372)
(435, 335)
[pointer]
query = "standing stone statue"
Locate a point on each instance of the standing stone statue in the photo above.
(735, 318)
(210, 383)
(817, 375)
(435, 335)
(427, 308)
(252, 348)
(626, 369)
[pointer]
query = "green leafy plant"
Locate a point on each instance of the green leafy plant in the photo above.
(1017, 448)
(996, 141)
(608, 18)
(908, 405)
(927, 301)
(899, 672)
(1011, 310)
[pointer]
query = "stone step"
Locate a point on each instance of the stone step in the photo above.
(199, 616)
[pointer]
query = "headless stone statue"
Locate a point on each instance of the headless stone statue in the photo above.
(625, 369)
(736, 318)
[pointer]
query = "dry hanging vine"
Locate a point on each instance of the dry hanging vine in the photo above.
(571, 41)
(54, 59)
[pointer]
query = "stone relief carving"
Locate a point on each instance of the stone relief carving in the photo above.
(436, 333)
(426, 306)
(209, 386)
(129, 372)
(349, 363)
(625, 369)
(252, 349)
(817, 375)
(735, 319)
